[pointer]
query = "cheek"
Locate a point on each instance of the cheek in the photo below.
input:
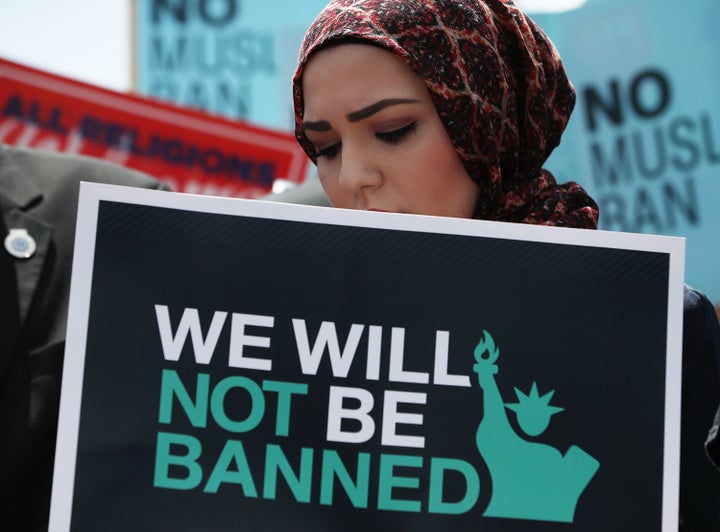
(329, 182)
(444, 184)
(435, 167)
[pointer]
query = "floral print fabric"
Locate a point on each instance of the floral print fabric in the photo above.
(498, 85)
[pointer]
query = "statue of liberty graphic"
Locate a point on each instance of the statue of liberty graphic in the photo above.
(529, 480)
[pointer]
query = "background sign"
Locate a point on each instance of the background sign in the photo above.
(233, 57)
(644, 139)
(190, 150)
(466, 387)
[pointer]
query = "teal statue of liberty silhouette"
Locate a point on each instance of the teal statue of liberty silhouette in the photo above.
(529, 480)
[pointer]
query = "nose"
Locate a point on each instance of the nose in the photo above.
(359, 169)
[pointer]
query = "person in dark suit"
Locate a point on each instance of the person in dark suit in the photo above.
(38, 204)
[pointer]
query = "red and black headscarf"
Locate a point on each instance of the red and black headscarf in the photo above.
(497, 83)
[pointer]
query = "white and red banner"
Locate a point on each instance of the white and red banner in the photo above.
(190, 150)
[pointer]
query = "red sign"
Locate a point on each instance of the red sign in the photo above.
(190, 150)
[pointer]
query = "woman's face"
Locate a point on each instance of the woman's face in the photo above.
(379, 142)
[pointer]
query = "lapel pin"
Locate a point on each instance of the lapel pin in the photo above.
(20, 244)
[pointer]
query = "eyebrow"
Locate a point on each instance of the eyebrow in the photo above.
(377, 107)
(321, 125)
(355, 116)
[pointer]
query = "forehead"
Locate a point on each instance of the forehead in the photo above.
(357, 75)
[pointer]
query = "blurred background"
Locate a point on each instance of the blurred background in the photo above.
(92, 40)
(200, 79)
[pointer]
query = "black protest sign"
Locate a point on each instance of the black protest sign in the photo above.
(246, 365)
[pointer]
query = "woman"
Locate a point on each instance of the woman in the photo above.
(478, 100)
(451, 108)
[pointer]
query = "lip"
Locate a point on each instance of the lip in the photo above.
(377, 210)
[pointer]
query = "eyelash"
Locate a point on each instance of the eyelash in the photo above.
(388, 137)
(396, 135)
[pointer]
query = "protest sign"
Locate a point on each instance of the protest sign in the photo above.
(644, 139)
(231, 57)
(244, 364)
(192, 151)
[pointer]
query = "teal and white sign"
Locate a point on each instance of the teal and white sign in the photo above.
(232, 57)
(414, 373)
(644, 139)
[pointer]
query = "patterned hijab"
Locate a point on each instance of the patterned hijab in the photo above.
(497, 83)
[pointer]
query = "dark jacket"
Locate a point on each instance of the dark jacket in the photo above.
(38, 194)
(699, 480)
(713, 441)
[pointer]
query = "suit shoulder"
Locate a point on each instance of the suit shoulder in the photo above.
(58, 169)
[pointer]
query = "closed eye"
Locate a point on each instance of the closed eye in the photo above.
(389, 137)
(396, 135)
(328, 152)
